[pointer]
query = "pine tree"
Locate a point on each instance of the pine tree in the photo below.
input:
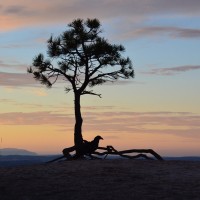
(84, 60)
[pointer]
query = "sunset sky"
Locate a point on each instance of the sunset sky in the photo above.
(158, 109)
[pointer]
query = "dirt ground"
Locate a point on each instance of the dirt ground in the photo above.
(102, 180)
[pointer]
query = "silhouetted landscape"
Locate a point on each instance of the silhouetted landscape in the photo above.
(21, 160)
(26, 175)
(142, 58)
(102, 179)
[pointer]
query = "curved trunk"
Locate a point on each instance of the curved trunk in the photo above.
(78, 139)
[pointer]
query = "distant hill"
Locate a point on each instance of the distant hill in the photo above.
(14, 151)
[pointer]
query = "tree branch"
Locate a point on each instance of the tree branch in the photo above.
(110, 75)
(91, 93)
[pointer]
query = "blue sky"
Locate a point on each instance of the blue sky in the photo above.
(161, 37)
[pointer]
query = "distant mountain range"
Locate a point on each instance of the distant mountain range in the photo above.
(14, 151)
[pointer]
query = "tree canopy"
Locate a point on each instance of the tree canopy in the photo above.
(84, 59)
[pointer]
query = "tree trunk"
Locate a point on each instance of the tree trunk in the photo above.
(78, 139)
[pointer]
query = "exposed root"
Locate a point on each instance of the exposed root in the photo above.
(109, 150)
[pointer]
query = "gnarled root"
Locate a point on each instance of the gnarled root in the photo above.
(109, 150)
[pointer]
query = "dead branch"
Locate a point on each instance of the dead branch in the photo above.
(110, 150)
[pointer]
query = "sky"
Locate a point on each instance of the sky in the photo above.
(158, 109)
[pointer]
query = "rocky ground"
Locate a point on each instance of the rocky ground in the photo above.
(102, 180)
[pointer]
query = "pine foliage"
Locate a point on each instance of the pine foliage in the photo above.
(84, 59)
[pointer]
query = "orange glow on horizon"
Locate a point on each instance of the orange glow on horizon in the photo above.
(48, 140)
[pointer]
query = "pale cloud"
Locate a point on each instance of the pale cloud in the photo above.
(16, 80)
(12, 65)
(160, 31)
(36, 106)
(182, 124)
(144, 118)
(15, 10)
(172, 70)
(35, 118)
(26, 13)
(26, 80)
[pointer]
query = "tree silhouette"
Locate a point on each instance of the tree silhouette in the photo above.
(84, 60)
